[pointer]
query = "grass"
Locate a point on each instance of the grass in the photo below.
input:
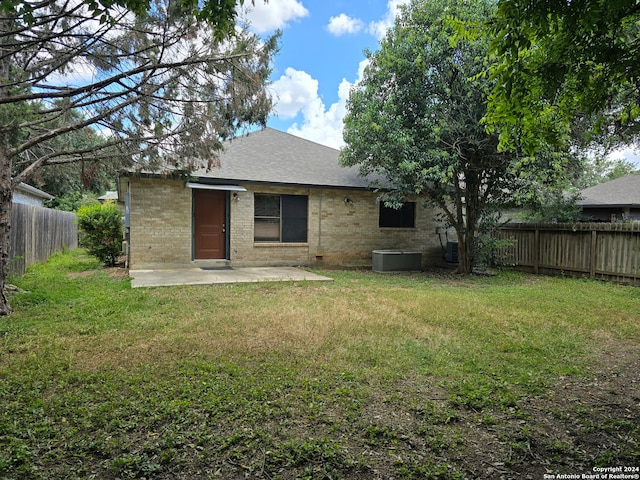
(369, 376)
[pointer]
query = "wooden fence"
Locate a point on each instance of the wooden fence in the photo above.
(606, 251)
(37, 233)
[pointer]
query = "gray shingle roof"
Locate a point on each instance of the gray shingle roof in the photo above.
(272, 156)
(33, 191)
(623, 191)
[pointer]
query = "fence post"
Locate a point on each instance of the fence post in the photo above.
(594, 237)
(536, 248)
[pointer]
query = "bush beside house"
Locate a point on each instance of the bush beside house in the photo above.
(101, 231)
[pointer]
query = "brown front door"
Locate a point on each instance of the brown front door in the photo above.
(209, 224)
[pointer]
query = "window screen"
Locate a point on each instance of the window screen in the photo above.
(266, 226)
(294, 218)
(280, 218)
(403, 217)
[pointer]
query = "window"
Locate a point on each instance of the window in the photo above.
(403, 217)
(280, 218)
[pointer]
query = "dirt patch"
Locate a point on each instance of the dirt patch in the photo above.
(117, 272)
(578, 425)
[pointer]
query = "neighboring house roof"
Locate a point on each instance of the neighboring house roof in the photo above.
(275, 157)
(25, 193)
(621, 192)
(110, 195)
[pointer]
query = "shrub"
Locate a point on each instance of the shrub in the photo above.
(101, 231)
(73, 201)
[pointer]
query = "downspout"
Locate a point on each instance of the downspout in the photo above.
(127, 224)
(319, 248)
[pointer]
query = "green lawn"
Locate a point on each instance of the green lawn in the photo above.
(371, 376)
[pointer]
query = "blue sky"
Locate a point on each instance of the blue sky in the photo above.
(321, 56)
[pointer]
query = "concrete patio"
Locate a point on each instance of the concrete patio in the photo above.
(199, 276)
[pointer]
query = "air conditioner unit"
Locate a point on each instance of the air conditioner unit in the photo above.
(452, 252)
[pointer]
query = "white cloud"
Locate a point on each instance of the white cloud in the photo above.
(298, 94)
(324, 126)
(297, 91)
(630, 154)
(361, 66)
(344, 25)
(293, 91)
(79, 72)
(266, 17)
(379, 28)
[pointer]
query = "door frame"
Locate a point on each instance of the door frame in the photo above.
(227, 218)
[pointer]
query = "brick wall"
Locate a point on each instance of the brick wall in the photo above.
(340, 234)
(160, 223)
(348, 232)
(246, 252)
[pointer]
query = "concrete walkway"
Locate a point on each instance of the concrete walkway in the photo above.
(198, 276)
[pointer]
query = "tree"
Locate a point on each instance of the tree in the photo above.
(557, 61)
(599, 170)
(221, 15)
(72, 180)
(415, 119)
(160, 87)
(550, 206)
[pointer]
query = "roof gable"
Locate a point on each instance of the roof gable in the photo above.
(272, 156)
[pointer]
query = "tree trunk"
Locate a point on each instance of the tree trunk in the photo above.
(7, 25)
(469, 223)
(465, 252)
(6, 197)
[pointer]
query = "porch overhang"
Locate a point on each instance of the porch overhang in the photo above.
(206, 186)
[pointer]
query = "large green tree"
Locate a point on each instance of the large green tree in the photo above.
(162, 82)
(219, 14)
(72, 180)
(558, 61)
(415, 119)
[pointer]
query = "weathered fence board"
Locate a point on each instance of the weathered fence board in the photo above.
(607, 251)
(37, 233)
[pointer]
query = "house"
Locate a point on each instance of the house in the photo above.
(616, 200)
(28, 195)
(275, 200)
